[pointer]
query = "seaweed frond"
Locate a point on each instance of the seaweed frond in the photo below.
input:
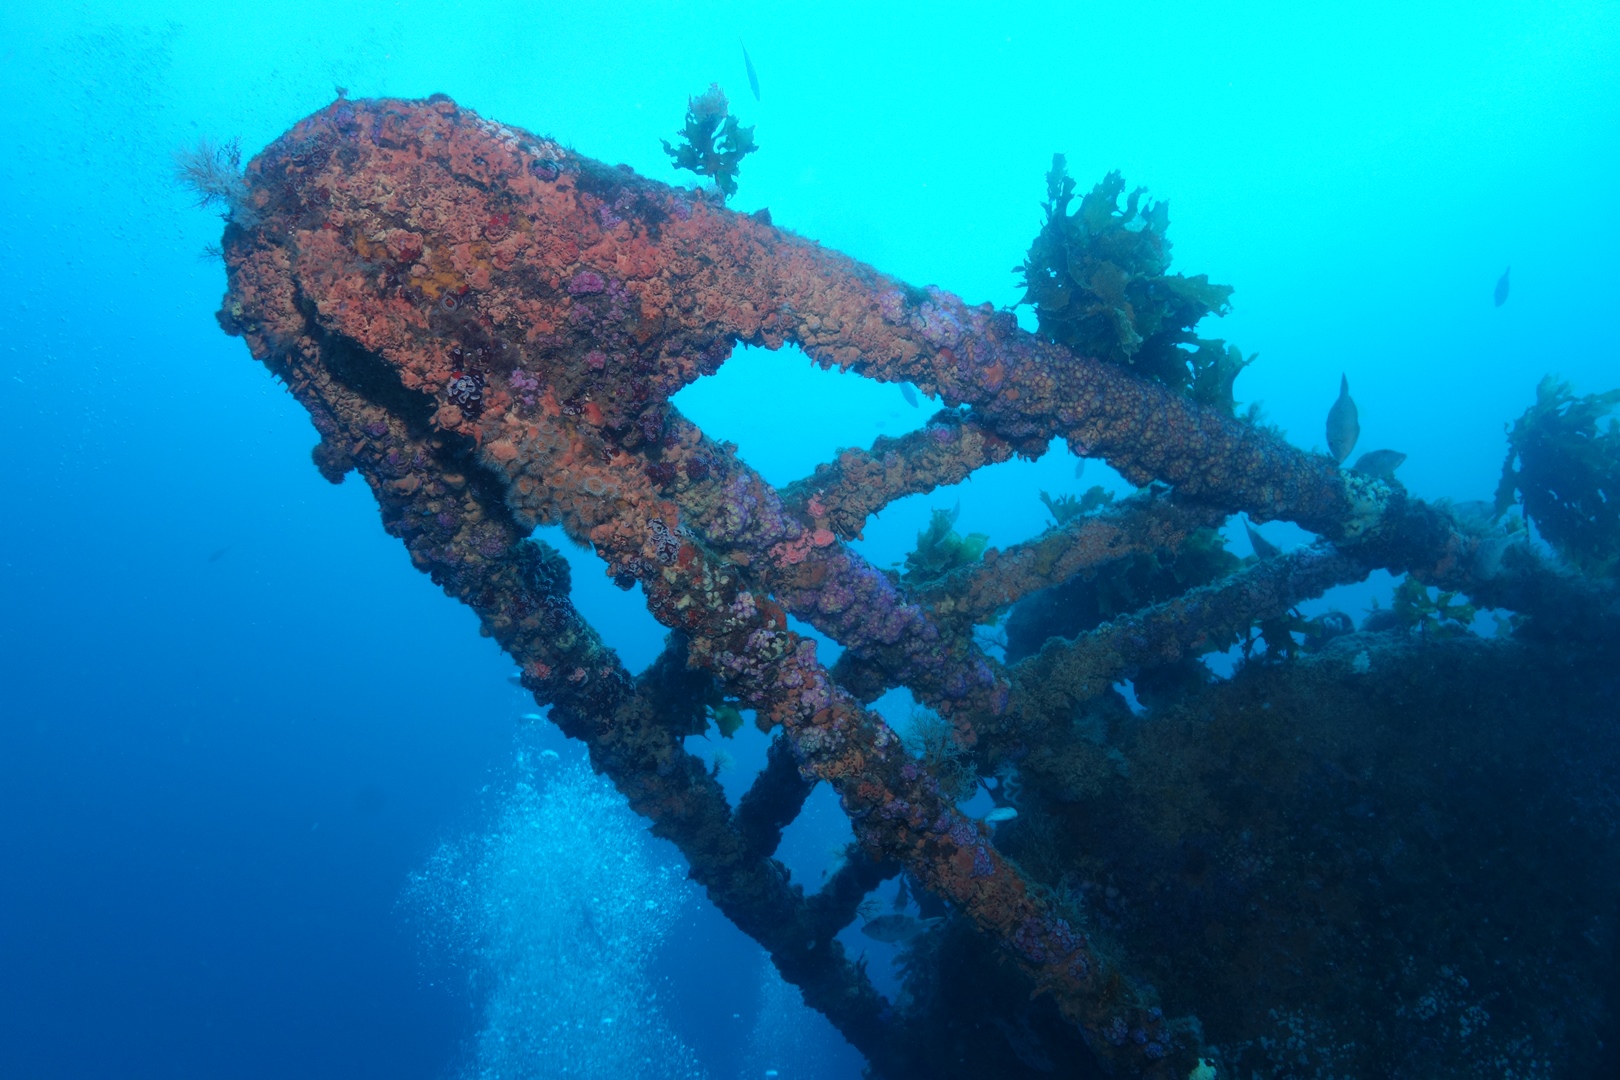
(1065, 508)
(1563, 465)
(1099, 280)
(940, 549)
(712, 143)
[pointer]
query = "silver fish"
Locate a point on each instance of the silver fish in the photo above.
(893, 929)
(1263, 548)
(1001, 813)
(909, 392)
(1502, 287)
(1080, 468)
(753, 76)
(1343, 424)
(1379, 463)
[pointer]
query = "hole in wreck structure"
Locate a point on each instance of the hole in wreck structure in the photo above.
(1002, 501)
(620, 616)
(787, 415)
(816, 843)
(735, 760)
(827, 650)
(899, 912)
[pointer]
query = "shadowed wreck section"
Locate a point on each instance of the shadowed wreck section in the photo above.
(488, 329)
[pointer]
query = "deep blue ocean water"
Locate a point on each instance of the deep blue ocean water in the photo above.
(261, 783)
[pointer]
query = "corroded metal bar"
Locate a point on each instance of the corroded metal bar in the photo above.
(1048, 685)
(841, 496)
(773, 800)
(1141, 524)
(818, 578)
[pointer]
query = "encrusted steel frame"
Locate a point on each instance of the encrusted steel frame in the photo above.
(488, 327)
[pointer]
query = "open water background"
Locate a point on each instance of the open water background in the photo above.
(243, 742)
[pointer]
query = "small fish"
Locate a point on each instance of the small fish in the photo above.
(1502, 287)
(893, 929)
(1080, 468)
(1343, 425)
(220, 554)
(902, 895)
(1379, 463)
(549, 755)
(1263, 549)
(1001, 813)
(753, 76)
(909, 392)
(516, 679)
(531, 718)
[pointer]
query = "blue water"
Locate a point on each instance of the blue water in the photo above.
(240, 734)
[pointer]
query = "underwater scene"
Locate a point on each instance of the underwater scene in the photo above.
(713, 541)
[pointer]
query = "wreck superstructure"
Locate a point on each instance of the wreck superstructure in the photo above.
(488, 328)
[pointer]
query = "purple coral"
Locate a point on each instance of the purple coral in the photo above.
(895, 808)
(1028, 940)
(585, 283)
(891, 305)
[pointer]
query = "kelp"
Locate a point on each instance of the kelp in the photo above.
(1564, 469)
(712, 143)
(1439, 616)
(940, 549)
(1099, 280)
(1066, 508)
